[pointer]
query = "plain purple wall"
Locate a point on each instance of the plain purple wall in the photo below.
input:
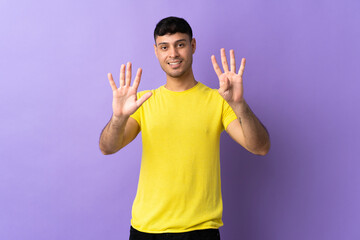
(301, 79)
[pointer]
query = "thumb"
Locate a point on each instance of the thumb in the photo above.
(143, 98)
(224, 83)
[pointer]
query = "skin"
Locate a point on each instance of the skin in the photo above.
(177, 49)
(248, 131)
(175, 55)
(121, 129)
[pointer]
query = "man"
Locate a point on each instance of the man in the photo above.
(179, 192)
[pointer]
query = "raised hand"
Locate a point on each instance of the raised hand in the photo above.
(125, 101)
(231, 83)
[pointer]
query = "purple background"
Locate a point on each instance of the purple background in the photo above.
(301, 79)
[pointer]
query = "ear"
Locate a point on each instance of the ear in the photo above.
(155, 50)
(193, 45)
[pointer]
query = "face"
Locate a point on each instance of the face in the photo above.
(174, 52)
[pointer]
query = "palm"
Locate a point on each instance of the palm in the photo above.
(231, 85)
(125, 101)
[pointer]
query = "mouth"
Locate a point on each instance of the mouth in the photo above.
(175, 64)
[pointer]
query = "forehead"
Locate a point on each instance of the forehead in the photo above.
(172, 38)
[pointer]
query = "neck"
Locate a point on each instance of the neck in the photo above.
(181, 83)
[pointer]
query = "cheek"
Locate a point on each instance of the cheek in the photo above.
(189, 53)
(160, 58)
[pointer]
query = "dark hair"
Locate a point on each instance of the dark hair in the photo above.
(171, 25)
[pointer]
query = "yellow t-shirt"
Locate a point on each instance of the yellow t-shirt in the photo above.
(179, 187)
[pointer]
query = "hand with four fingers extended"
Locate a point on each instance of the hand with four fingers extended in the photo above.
(231, 83)
(125, 101)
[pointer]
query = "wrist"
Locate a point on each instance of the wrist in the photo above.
(118, 120)
(239, 106)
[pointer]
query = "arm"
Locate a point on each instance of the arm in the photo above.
(117, 134)
(121, 129)
(248, 131)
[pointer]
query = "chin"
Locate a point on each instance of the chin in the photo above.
(175, 75)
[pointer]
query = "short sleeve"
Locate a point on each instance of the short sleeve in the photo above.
(228, 114)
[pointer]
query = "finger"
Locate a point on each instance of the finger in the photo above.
(122, 75)
(242, 67)
(112, 83)
(143, 98)
(137, 79)
(224, 60)
(128, 74)
(232, 61)
(216, 66)
(224, 83)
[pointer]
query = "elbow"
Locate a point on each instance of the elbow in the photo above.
(262, 153)
(106, 151)
(261, 150)
(264, 150)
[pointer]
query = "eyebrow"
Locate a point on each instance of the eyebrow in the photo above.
(180, 40)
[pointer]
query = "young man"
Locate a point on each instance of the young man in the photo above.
(179, 192)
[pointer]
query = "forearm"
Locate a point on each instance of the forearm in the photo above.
(112, 136)
(256, 136)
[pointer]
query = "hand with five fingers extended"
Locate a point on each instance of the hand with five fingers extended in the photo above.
(125, 101)
(231, 83)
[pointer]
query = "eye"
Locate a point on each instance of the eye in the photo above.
(181, 45)
(163, 47)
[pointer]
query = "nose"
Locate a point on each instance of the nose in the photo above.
(173, 53)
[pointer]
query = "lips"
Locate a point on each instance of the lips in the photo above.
(175, 64)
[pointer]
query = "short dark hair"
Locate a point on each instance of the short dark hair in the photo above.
(171, 25)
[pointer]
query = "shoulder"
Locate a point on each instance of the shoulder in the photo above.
(213, 93)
